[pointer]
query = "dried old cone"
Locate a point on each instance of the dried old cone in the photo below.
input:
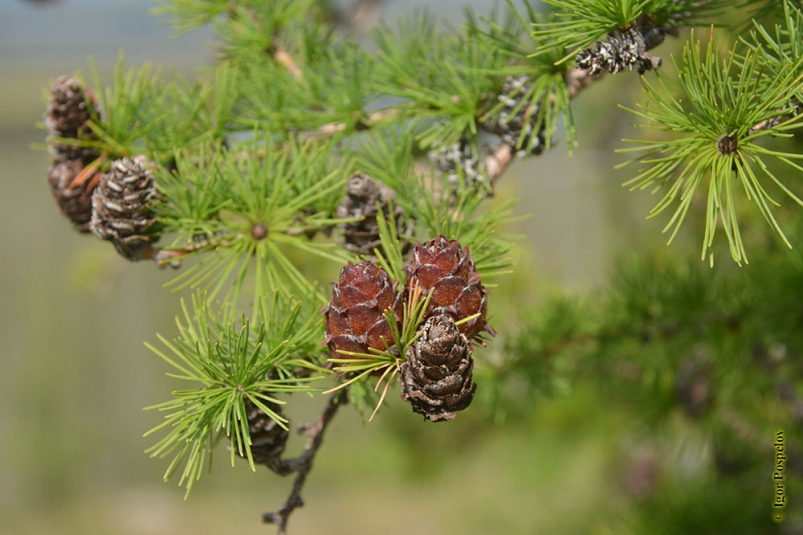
(445, 269)
(121, 207)
(436, 377)
(626, 49)
(68, 114)
(459, 159)
(516, 120)
(72, 185)
(354, 319)
(362, 196)
(268, 438)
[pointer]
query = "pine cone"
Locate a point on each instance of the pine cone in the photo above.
(626, 49)
(516, 119)
(693, 384)
(456, 159)
(445, 269)
(361, 200)
(121, 210)
(354, 318)
(72, 186)
(436, 377)
(68, 113)
(268, 438)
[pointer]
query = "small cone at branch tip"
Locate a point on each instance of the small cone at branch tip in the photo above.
(72, 185)
(67, 116)
(436, 377)
(268, 438)
(355, 318)
(362, 196)
(121, 207)
(444, 269)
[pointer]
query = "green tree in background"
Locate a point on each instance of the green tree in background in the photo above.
(305, 159)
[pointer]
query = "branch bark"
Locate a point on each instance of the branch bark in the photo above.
(302, 464)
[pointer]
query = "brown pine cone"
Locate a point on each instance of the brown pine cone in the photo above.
(68, 112)
(361, 200)
(445, 269)
(268, 438)
(436, 377)
(121, 207)
(354, 318)
(72, 185)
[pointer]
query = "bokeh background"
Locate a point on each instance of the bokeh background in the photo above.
(75, 376)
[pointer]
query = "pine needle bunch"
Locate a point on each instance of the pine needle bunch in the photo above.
(245, 206)
(726, 108)
(331, 91)
(575, 25)
(181, 114)
(187, 15)
(233, 362)
(541, 98)
(781, 49)
(120, 133)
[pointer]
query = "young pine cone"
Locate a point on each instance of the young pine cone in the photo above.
(72, 185)
(121, 210)
(68, 112)
(268, 438)
(445, 269)
(355, 319)
(516, 120)
(361, 200)
(436, 377)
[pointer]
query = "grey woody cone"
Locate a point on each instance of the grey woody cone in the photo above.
(362, 197)
(72, 185)
(626, 49)
(516, 120)
(121, 207)
(436, 377)
(67, 115)
(268, 438)
(459, 159)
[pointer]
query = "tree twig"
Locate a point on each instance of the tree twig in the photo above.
(302, 464)
(496, 163)
(286, 61)
(578, 79)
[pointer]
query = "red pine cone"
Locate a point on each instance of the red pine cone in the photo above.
(354, 318)
(445, 269)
